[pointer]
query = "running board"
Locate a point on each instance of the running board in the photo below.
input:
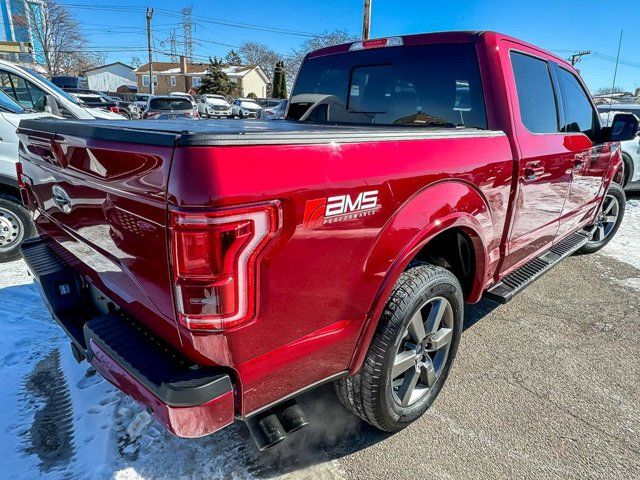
(519, 279)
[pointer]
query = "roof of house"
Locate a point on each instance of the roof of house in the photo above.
(172, 68)
(107, 65)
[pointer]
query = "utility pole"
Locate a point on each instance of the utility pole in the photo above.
(149, 16)
(576, 57)
(366, 20)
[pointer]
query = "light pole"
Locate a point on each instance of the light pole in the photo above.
(366, 20)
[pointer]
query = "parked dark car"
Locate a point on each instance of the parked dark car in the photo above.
(66, 82)
(127, 109)
(169, 108)
(93, 98)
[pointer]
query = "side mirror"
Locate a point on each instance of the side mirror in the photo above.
(625, 126)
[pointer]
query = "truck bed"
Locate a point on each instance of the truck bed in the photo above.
(238, 132)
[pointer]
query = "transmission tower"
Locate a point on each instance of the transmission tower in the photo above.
(173, 46)
(187, 25)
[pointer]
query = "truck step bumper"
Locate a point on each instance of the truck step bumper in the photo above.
(519, 279)
(189, 399)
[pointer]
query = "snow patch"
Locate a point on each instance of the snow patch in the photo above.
(625, 246)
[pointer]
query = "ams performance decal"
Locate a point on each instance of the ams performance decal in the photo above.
(340, 208)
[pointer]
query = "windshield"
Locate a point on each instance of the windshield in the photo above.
(423, 85)
(8, 105)
(174, 103)
(53, 87)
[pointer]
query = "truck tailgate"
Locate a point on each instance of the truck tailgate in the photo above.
(104, 202)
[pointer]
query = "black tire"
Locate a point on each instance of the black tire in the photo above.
(240, 114)
(16, 223)
(371, 393)
(598, 240)
(627, 172)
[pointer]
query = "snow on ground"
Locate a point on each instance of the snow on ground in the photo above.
(60, 419)
(625, 246)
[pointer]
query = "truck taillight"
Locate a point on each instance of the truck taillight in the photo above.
(21, 182)
(215, 259)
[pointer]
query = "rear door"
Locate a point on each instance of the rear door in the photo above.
(545, 160)
(580, 128)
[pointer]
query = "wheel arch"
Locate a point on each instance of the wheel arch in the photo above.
(442, 210)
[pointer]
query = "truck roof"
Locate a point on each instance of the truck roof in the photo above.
(460, 36)
(239, 132)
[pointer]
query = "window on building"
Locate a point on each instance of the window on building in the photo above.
(145, 80)
(536, 98)
(173, 81)
(196, 81)
(579, 115)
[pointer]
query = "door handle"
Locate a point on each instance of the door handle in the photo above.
(533, 172)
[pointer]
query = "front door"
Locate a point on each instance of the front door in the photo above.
(580, 126)
(544, 160)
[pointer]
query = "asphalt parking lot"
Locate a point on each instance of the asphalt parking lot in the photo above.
(547, 386)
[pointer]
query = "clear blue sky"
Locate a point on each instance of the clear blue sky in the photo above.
(118, 26)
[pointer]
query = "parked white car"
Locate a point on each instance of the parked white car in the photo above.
(630, 149)
(34, 92)
(142, 99)
(15, 222)
(275, 113)
(213, 106)
(245, 108)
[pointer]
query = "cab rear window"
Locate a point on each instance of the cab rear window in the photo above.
(424, 85)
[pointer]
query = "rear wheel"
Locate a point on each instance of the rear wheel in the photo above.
(411, 352)
(608, 220)
(15, 226)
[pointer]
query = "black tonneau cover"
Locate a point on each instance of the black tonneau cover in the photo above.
(235, 132)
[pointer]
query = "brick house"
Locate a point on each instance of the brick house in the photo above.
(182, 76)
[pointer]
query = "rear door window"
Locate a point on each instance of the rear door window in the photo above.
(418, 85)
(536, 97)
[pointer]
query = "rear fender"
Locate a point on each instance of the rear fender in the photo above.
(432, 211)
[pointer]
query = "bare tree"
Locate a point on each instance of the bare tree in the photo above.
(326, 39)
(255, 53)
(64, 47)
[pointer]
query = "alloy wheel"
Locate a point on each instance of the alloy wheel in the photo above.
(423, 351)
(606, 220)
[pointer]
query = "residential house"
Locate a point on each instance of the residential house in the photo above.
(108, 78)
(184, 75)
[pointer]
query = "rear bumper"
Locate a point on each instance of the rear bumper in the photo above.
(189, 399)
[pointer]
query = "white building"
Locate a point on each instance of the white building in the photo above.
(108, 78)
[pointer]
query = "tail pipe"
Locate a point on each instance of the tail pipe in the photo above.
(272, 426)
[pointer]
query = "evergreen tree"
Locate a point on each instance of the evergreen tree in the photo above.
(279, 84)
(283, 81)
(233, 58)
(216, 81)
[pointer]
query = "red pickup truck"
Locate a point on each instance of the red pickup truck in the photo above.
(214, 270)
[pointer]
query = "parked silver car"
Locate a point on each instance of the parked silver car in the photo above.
(630, 149)
(169, 108)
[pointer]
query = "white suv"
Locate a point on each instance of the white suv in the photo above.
(245, 108)
(630, 149)
(15, 222)
(213, 106)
